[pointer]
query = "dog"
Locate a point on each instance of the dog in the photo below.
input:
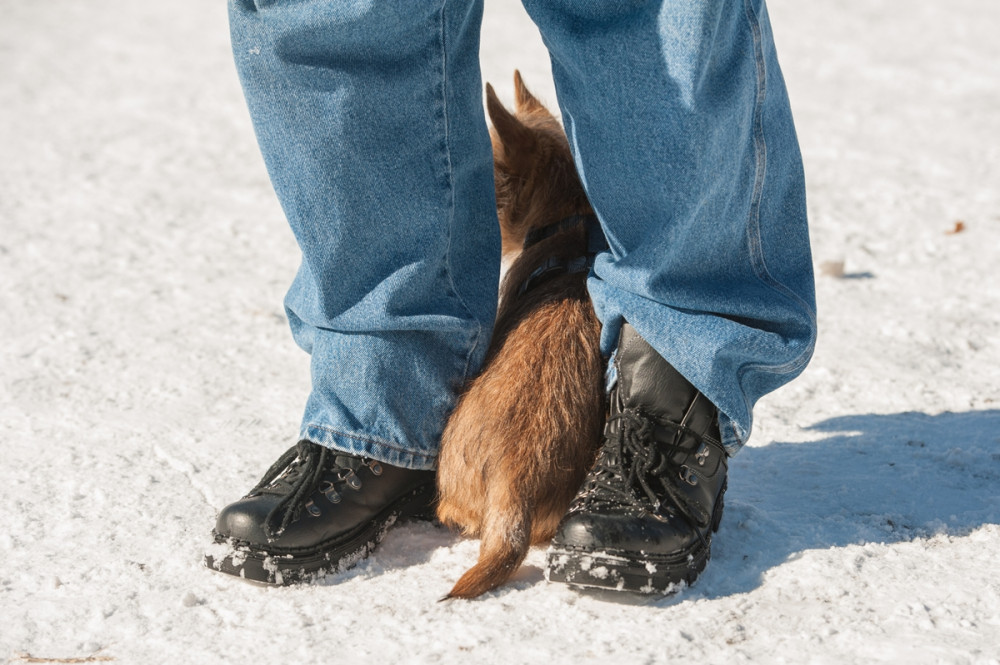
(526, 430)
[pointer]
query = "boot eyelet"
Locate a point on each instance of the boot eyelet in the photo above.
(375, 467)
(313, 508)
(353, 481)
(688, 475)
(702, 454)
(332, 496)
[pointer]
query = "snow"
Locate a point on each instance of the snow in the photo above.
(147, 377)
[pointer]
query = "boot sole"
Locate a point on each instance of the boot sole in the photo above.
(645, 573)
(256, 564)
(600, 569)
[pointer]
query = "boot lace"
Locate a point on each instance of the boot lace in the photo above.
(297, 474)
(627, 464)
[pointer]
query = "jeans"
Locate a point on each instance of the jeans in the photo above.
(369, 116)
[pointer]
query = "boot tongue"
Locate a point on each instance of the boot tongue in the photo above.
(648, 382)
(651, 385)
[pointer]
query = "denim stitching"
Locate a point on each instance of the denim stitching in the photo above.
(753, 220)
(449, 272)
(754, 242)
(391, 445)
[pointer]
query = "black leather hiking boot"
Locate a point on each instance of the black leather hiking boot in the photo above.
(315, 511)
(644, 518)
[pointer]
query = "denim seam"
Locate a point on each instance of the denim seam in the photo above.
(753, 219)
(449, 272)
(754, 242)
(391, 445)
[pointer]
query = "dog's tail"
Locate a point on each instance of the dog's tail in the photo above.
(505, 539)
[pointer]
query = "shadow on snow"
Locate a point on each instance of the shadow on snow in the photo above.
(874, 479)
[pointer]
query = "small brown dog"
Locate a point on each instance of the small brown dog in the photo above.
(526, 430)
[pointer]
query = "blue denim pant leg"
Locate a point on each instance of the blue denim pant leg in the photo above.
(369, 116)
(681, 129)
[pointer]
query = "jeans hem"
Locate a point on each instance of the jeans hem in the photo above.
(387, 452)
(729, 431)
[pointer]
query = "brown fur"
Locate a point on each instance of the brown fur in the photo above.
(525, 431)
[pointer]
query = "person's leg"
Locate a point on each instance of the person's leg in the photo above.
(679, 120)
(370, 120)
(369, 116)
(680, 125)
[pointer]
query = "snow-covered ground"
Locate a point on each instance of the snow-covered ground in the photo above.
(147, 377)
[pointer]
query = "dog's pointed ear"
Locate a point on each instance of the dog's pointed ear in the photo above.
(526, 102)
(515, 137)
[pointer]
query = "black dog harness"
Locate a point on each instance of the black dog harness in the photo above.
(553, 266)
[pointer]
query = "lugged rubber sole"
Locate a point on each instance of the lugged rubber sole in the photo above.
(256, 564)
(623, 572)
